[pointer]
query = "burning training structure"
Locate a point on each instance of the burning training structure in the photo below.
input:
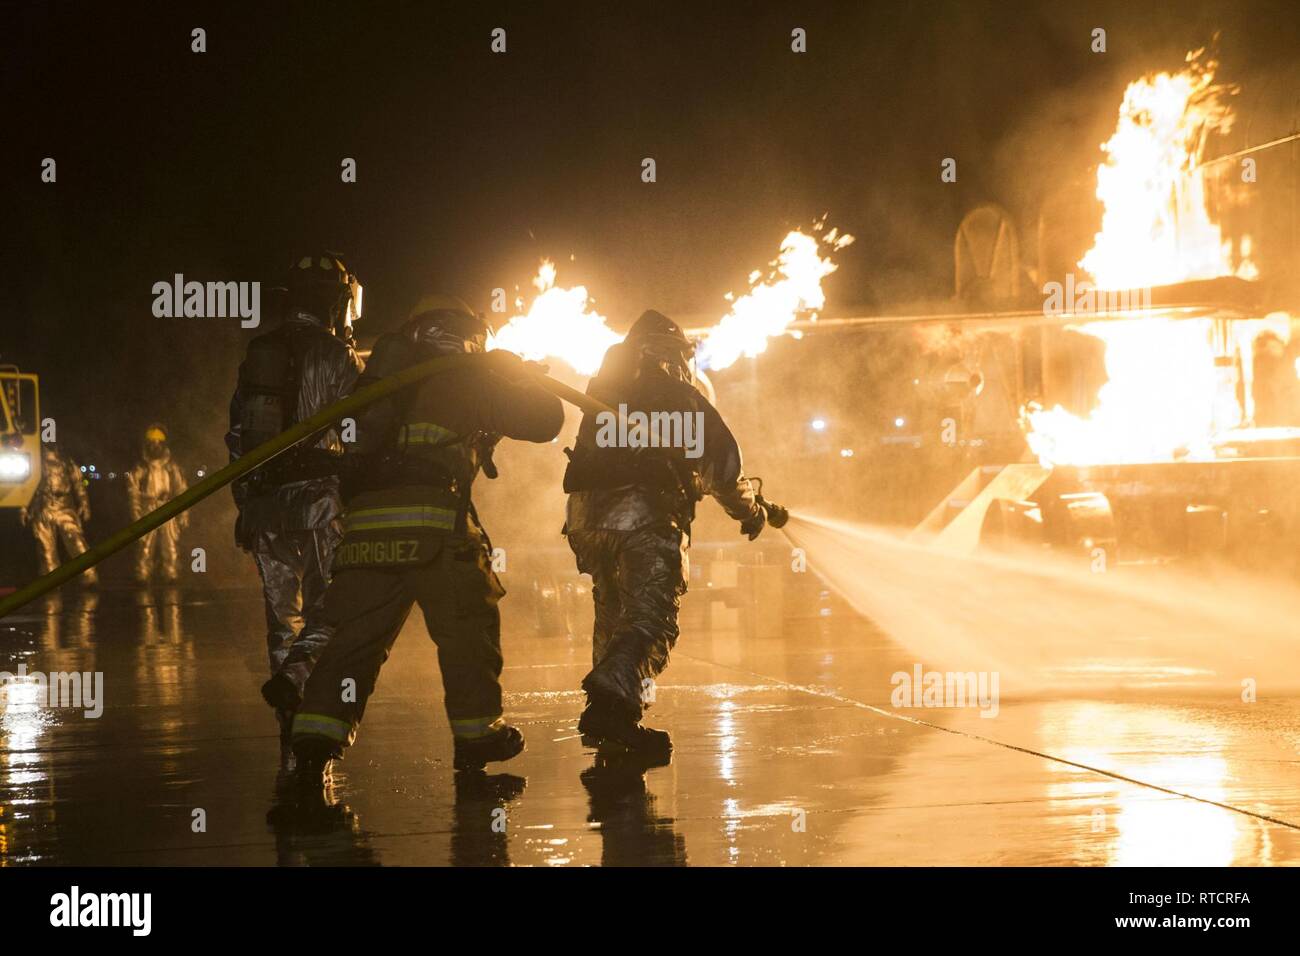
(1131, 394)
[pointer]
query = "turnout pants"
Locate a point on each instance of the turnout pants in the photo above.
(458, 593)
(638, 578)
(295, 571)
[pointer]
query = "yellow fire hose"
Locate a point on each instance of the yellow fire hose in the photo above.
(302, 431)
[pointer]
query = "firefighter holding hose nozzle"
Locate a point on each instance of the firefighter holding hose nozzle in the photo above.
(629, 522)
(777, 515)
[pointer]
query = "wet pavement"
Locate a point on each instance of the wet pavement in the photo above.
(788, 752)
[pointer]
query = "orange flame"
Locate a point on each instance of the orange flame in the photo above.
(560, 324)
(792, 287)
(1172, 385)
(563, 323)
(1155, 229)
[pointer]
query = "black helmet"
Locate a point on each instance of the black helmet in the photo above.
(322, 283)
(446, 324)
(653, 324)
(662, 342)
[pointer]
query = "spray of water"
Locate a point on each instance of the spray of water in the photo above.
(1047, 625)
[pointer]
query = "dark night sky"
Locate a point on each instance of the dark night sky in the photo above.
(473, 166)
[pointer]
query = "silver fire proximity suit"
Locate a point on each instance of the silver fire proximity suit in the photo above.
(155, 480)
(58, 511)
(629, 519)
(289, 509)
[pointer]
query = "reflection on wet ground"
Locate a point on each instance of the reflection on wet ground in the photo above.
(788, 753)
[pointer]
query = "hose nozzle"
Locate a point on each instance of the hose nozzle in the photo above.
(777, 516)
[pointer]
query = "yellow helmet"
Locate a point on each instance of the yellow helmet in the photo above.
(154, 445)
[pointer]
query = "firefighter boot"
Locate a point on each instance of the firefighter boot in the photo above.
(312, 782)
(606, 721)
(474, 753)
(305, 797)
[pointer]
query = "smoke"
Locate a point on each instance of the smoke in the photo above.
(1047, 625)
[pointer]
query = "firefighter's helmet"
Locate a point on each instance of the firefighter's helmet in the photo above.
(154, 440)
(323, 282)
(662, 342)
(446, 323)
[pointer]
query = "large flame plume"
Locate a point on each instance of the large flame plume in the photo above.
(792, 287)
(560, 323)
(563, 324)
(1170, 395)
(1156, 229)
(1173, 386)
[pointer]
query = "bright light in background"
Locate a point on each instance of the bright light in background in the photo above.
(818, 424)
(899, 422)
(846, 452)
(14, 466)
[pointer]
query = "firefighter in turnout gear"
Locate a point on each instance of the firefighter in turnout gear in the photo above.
(58, 511)
(412, 537)
(289, 508)
(155, 480)
(631, 503)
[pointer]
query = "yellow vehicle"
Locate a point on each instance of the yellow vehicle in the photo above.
(20, 439)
